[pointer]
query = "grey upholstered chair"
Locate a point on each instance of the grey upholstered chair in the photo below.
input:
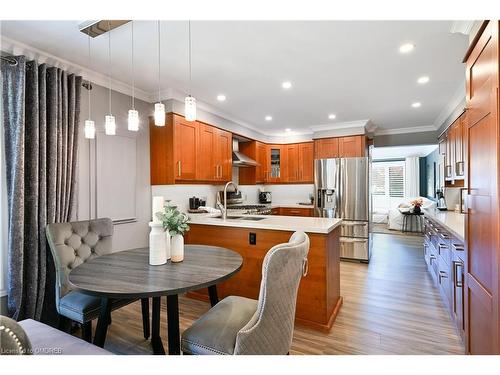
(238, 325)
(72, 244)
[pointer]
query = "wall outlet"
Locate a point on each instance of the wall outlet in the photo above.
(252, 238)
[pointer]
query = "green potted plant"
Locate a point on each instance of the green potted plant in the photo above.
(175, 224)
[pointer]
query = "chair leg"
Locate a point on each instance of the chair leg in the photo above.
(63, 323)
(87, 331)
(145, 317)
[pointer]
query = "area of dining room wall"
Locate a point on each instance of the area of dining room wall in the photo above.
(129, 235)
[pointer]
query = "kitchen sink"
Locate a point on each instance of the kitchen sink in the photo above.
(250, 218)
(253, 218)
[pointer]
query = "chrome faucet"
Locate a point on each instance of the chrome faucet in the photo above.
(224, 212)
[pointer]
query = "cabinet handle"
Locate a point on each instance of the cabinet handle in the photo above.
(458, 247)
(458, 284)
(431, 258)
(442, 275)
(425, 249)
(179, 168)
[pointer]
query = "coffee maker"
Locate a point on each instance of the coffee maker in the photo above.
(441, 204)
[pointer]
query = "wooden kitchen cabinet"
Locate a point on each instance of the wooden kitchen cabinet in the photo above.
(306, 162)
(482, 268)
(340, 147)
(354, 146)
(189, 152)
(298, 163)
(296, 211)
(452, 145)
(326, 148)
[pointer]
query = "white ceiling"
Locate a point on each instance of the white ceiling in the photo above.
(400, 152)
(350, 68)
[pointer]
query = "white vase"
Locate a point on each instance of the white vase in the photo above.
(168, 243)
(157, 250)
(177, 248)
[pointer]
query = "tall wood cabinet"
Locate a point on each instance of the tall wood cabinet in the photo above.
(189, 152)
(482, 321)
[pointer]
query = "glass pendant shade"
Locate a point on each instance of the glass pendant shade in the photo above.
(190, 108)
(160, 114)
(133, 120)
(89, 129)
(110, 125)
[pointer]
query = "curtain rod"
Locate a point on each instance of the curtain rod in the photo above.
(10, 60)
(13, 62)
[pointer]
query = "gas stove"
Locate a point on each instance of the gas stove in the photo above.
(249, 209)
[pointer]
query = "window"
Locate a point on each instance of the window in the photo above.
(388, 178)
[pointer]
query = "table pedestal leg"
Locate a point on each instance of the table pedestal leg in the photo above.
(212, 293)
(102, 322)
(155, 327)
(174, 341)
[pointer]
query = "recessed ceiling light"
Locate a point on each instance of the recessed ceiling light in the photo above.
(407, 47)
(423, 79)
(286, 85)
(221, 98)
(416, 104)
(288, 130)
(269, 118)
(332, 116)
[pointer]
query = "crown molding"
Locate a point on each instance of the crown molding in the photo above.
(448, 110)
(340, 125)
(413, 129)
(462, 27)
(15, 47)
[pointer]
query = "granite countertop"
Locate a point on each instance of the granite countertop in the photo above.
(454, 221)
(272, 222)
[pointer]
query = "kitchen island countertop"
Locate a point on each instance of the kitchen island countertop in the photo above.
(271, 222)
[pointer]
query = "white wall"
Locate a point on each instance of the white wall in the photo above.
(130, 235)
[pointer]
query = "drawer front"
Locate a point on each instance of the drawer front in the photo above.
(445, 281)
(444, 252)
(354, 229)
(354, 248)
(286, 211)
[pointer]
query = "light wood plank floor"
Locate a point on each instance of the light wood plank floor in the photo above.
(390, 307)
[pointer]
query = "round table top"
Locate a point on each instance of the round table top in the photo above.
(127, 274)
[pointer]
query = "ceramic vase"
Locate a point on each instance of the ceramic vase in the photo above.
(168, 243)
(177, 248)
(157, 250)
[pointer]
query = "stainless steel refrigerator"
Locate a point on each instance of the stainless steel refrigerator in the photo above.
(342, 191)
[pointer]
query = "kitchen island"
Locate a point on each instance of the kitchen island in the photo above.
(252, 236)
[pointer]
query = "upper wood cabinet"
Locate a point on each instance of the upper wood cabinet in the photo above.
(482, 294)
(189, 152)
(326, 148)
(289, 163)
(340, 147)
(452, 146)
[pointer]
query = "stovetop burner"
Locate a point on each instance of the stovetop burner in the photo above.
(245, 206)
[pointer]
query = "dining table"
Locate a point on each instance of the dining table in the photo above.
(128, 275)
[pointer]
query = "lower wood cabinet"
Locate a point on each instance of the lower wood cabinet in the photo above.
(292, 211)
(444, 255)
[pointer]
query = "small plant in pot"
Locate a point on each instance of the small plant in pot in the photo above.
(417, 205)
(176, 224)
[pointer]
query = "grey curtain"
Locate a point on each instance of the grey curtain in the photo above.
(41, 113)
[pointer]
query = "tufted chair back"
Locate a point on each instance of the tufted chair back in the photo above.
(74, 243)
(270, 330)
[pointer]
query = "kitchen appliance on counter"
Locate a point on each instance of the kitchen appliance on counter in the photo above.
(441, 203)
(265, 197)
(233, 197)
(195, 203)
(341, 188)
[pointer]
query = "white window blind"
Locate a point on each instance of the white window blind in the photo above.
(378, 180)
(388, 179)
(396, 181)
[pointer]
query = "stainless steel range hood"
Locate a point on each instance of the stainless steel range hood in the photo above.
(241, 160)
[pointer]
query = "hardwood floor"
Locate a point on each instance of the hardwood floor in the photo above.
(390, 307)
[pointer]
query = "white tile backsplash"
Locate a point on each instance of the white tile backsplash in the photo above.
(180, 194)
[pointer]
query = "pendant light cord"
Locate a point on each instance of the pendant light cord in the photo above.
(109, 67)
(159, 65)
(189, 54)
(133, 68)
(88, 80)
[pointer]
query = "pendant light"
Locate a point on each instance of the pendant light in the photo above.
(133, 115)
(89, 127)
(189, 101)
(159, 107)
(110, 123)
